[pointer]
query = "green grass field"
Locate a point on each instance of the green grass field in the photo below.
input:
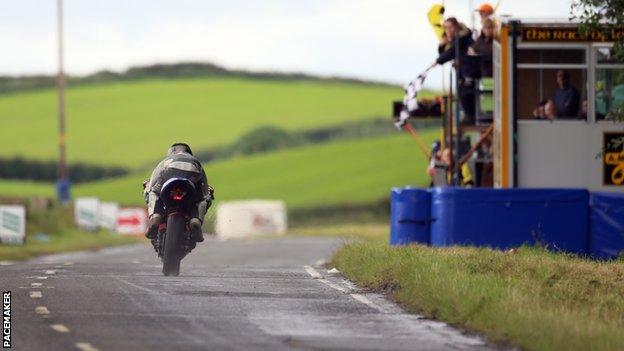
(354, 171)
(131, 123)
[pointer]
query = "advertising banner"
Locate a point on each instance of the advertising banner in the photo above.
(12, 225)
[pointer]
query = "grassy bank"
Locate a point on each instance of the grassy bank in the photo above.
(135, 121)
(65, 241)
(530, 298)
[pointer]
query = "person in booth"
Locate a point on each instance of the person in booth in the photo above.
(566, 98)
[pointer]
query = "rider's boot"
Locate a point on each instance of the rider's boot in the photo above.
(152, 226)
(196, 230)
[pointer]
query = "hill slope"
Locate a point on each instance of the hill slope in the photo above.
(335, 173)
(131, 123)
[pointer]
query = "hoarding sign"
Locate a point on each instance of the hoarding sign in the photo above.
(613, 160)
(12, 225)
(86, 211)
(107, 216)
(132, 221)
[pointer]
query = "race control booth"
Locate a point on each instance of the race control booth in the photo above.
(582, 149)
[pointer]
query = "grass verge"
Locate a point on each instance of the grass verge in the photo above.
(530, 298)
(64, 241)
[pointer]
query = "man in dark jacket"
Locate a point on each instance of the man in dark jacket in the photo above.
(566, 97)
(468, 67)
(180, 163)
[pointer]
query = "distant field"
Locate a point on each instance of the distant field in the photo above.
(334, 173)
(131, 123)
(25, 189)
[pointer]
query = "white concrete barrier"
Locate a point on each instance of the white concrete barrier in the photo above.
(12, 225)
(237, 219)
(86, 212)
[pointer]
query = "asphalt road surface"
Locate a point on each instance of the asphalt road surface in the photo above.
(265, 294)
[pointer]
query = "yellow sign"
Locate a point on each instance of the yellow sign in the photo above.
(613, 172)
(571, 34)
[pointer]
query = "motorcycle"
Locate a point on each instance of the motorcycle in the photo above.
(174, 240)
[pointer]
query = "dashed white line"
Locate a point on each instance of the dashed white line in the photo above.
(312, 272)
(85, 346)
(42, 310)
(42, 278)
(59, 328)
(35, 295)
(7, 263)
(68, 263)
(50, 272)
(35, 285)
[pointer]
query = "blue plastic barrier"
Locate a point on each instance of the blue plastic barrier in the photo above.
(504, 218)
(409, 216)
(606, 234)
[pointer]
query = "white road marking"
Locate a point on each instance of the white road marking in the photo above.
(136, 261)
(68, 263)
(42, 278)
(7, 263)
(35, 285)
(85, 346)
(41, 310)
(358, 297)
(50, 272)
(363, 299)
(35, 295)
(59, 328)
(334, 286)
(313, 273)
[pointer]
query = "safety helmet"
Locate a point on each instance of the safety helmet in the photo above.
(486, 9)
(179, 147)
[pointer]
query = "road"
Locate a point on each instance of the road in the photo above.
(265, 294)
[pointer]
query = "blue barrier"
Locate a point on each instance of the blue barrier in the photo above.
(409, 216)
(504, 218)
(606, 234)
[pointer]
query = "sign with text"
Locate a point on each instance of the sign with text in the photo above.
(86, 212)
(613, 160)
(107, 216)
(570, 34)
(12, 225)
(132, 221)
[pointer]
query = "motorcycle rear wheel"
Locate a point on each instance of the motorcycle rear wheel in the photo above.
(172, 253)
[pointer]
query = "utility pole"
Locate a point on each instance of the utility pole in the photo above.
(63, 184)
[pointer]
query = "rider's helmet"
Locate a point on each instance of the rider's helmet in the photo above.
(179, 147)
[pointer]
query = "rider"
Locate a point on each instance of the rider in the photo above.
(180, 163)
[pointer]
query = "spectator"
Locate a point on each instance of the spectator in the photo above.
(583, 113)
(483, 47)
(454, 30)
(550, 110)
(566, 97)
(540, 111)
(486, 11)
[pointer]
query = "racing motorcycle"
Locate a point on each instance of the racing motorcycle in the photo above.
(174, 240)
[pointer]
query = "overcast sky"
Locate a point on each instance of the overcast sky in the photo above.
(388, 40)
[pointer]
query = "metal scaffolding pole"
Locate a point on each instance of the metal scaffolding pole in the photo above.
(63, 174)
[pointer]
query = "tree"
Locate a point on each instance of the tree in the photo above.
(601, 14)
(597, 15)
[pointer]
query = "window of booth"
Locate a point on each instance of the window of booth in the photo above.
(551, 82)
(609, 82)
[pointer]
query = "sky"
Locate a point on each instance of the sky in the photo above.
(384, 40)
